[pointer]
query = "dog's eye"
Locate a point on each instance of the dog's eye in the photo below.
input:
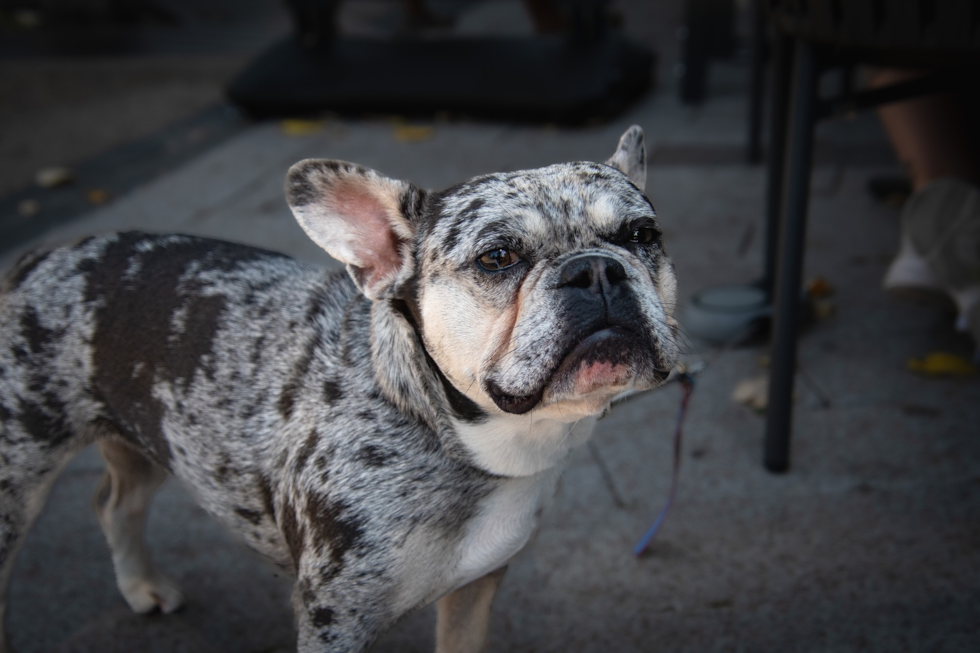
(642, 233)
(498, 259)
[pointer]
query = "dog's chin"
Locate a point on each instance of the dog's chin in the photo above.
(597, 370)
(514, 404)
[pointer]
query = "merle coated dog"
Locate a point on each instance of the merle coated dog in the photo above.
(390, 435)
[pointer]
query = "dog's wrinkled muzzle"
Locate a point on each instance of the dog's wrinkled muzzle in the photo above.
(604, 345)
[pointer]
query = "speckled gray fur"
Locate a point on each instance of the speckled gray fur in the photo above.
(322, 416)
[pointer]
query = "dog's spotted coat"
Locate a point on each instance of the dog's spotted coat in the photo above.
(390, 436)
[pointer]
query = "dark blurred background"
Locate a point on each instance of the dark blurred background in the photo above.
(78, 77)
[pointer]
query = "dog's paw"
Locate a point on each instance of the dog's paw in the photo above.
(148, 594)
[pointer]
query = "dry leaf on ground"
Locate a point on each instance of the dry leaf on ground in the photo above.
(97, 196)
(818, 288)
(413, 133)
(298, 127)
(940, 363)
(54, 176)
(28, 208)
(753, 392)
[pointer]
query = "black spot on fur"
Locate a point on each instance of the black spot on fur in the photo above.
(256, 357)
(462, 222)
(374, 456)
(300, 190)
(411, 203)
(37, 336)
(20, 354)
(253, 516)
(333, 526)
(318, 300)
(357, 319)
(132, 343)
(27, 264)
(265, 494)
(286, 400)
(306, 591)
(293, 532)
(200, 326)
(287, 397)
(47, 421)
(332, 392)
(472, 209)
(305, 452)
(321, 617)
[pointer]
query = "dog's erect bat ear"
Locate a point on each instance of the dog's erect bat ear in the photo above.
(362, 219)
(631, 156)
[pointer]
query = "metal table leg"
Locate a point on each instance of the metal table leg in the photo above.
(782, 69)
(792, 237)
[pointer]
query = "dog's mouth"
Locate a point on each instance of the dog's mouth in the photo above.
(514, 404)
(606, 358)
(600, 358)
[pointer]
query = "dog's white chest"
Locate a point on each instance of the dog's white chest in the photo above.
(506, 522)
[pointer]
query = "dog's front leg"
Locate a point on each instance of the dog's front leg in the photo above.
(464, 615)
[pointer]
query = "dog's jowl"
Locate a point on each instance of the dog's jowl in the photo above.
(391, 435)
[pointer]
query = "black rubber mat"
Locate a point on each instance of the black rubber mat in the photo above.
(549, 79)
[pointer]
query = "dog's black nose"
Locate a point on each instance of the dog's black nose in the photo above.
(595, 273)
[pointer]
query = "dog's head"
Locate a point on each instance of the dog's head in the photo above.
(543, 290)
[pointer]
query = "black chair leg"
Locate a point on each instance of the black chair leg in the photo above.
(792, 239)
(695, 51)
(757, 84)
(782, 69)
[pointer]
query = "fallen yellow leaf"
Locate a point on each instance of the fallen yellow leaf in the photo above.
(818, 288)
(942, 364)
(298, 127)
(29, 208)
(54, 176)
(413, 133)
(97, 196)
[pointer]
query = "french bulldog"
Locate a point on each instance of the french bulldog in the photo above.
(389, 436)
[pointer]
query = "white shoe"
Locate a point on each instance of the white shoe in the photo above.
(940, 250)
(910, 270)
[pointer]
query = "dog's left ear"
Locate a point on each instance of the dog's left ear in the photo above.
(631, 157)
(362, 219)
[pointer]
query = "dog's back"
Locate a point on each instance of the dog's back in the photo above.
(91, 335)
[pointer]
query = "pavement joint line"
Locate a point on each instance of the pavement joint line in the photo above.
(234, 193)
(607, 478)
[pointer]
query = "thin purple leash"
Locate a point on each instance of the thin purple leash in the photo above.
(687, 383)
